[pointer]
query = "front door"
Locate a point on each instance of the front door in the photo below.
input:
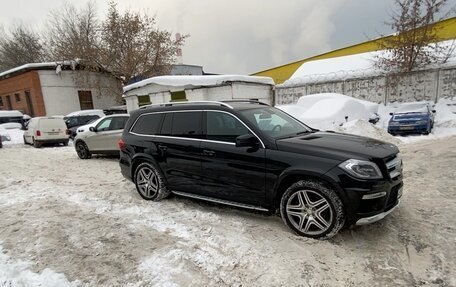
(229, 172)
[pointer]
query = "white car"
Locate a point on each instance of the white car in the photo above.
(102, 138)
(44, 130)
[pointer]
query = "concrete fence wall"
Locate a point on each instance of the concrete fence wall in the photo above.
(428, 85)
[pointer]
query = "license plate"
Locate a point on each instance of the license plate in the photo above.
(53, 133)
(406, 128)
(399, 193)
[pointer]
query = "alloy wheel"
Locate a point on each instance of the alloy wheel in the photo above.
(147, 182)
(309, 212)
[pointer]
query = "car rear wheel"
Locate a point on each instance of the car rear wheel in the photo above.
(35, 143)
(150, 182)
(311, 209)
(82, 150)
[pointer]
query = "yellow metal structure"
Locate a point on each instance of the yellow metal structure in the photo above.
(446, 30)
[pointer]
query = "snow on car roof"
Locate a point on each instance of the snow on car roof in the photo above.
(10, 114)
(198, 81)
(87, 113)
(413, 108)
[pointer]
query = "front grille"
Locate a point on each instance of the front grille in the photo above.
(394, 166)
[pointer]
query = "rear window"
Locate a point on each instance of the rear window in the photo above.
(147, 124)
(52, 123)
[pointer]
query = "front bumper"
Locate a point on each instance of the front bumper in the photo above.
(367, 201)
(375, 218)
(407, 129)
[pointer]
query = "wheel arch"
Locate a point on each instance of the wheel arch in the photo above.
(289, 177)
(140, 158)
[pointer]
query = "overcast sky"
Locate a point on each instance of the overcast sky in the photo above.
(241, 36)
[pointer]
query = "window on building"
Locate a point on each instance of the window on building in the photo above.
(1, 102)
(144, 100)
(18, 98)
(178, 96)
(85, 100)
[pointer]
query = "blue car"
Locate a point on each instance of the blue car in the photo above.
(414, 118)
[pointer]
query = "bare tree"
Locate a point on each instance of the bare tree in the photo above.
(19, 46)
(73, 34)
(127, 44)
(416, 42)
(132, 46)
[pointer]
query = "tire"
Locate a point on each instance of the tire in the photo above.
(82, 150)
(35, 143)
(311, 209)
(65, 143)
(150, 182)
(25, 142)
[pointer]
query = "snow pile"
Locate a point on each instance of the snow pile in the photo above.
(198, 81)
(327, 110)
(18, 273)
(366, 129)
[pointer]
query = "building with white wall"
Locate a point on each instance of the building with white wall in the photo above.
(57, 88)
(165, 89)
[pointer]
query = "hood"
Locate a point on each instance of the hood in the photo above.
(337, 146)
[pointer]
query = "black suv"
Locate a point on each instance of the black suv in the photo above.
(251, 155)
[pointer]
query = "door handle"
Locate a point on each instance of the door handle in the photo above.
(162, 147)
(208, 152)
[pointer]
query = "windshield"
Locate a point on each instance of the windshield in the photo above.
(274, 122)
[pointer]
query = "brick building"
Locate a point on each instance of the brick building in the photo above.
(57, 88)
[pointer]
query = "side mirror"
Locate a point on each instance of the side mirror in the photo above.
(391, 114)
(93, 129)
(247, 140)
(433, 111)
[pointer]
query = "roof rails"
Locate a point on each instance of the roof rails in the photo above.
(246, 101)
(187, 103)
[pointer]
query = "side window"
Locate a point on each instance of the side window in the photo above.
(167, 124)
(147, 124)
(104, 125)
(224, 127)
(118, 123)
(187, 124)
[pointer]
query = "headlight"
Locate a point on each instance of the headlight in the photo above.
(361, 169)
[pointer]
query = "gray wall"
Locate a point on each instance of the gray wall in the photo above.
(429, 85)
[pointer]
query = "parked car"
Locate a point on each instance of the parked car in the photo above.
(116, 110)
(102, 138)
(11, 117)
(412, 118)
(80, 118)
(46, 130)
(251, 155)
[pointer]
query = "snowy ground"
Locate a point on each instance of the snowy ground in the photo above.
(71, 222)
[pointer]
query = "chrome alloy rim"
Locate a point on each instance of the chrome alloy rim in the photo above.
(309, 212)
(147, 182)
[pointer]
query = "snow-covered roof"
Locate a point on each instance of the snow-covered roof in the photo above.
(345, 67)
(10, 114)
(38, 66)
(197, 81)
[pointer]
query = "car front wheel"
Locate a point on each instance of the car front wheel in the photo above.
(150, 182)
(82, 150)
(311, 209)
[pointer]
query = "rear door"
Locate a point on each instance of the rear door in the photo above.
(229, 172)
(179, 152)
(52, 129)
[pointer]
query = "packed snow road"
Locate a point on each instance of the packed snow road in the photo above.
(71, 222)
